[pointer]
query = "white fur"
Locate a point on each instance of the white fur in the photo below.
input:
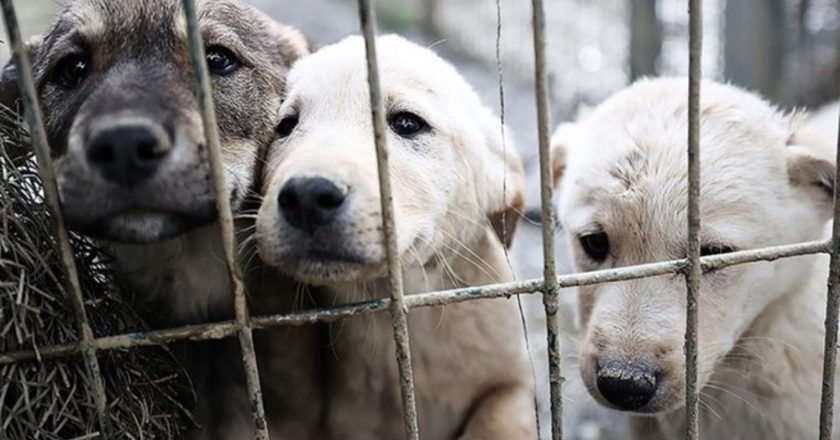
(760, 325)
(469, 360)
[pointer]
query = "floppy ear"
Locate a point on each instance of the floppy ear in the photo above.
(813, 174)
(9, 88)
(289, 42)
(560, 140)
(504, 181)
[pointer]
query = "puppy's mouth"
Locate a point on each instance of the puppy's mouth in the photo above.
(143, 217)
(320, 265)
(142, 225)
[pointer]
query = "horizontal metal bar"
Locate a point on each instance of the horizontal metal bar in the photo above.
(444, 297)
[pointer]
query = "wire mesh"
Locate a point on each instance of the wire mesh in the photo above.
(399, 305)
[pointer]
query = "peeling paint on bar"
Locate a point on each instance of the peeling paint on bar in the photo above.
(399, 311)
(228, 328)
(551, 294)
(208, 116)
(38, 134)
(832, 304)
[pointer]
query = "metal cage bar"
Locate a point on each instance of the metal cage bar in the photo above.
(214, 153)
(694, 271)
(551, 293)
(399, 310)
(38, 134)
(831, 312)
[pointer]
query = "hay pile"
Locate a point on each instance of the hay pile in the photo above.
(51, 399)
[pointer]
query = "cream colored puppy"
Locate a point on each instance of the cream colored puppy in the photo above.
(453, 176)
(623, 202)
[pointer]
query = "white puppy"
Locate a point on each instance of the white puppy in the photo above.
(623, 202)
(452, 180)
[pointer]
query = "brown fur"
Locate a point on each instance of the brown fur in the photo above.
(161, 230)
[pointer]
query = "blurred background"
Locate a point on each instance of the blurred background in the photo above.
(788, 50)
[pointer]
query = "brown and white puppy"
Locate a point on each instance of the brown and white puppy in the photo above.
(320, 221)
(623, 202)
(119, 98)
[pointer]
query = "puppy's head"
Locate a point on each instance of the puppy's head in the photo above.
(623, 202)
(451, 172)
(118, 94)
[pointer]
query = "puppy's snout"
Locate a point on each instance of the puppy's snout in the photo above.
(127, 154)
(628, 386)
(308, 203)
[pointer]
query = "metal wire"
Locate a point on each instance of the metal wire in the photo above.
(551, 294)
(214, 153)
(38, 134)
(831, 312)
(694, 271)
(227, 328)
(399, 310)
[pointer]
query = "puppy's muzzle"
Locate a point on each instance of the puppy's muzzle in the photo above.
(628, 386)
(310, 203)
(127, 153)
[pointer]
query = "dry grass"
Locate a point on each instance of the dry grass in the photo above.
(51, 399)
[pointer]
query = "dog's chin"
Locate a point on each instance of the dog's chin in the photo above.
(329, 268)
(142, 226)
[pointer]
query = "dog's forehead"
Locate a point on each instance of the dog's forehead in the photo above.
(405, 69)
(154, 22)
(630, 163)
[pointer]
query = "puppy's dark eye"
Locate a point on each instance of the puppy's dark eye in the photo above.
(71, 70)
(407, 124)
(715, 249)
(287, 125)
(221, 61)
(596, 246)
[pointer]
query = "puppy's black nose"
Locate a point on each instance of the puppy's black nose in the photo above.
(307, 203)
(127, 154)
(627, 386)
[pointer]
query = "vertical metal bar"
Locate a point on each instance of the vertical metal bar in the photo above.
(243, 319)
(551, 291)
(694, 270)
(37, 131)
(399, 311)
(831, 312)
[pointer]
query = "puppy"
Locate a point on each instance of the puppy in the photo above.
(320, 221)
(119, 98)
(623, 202)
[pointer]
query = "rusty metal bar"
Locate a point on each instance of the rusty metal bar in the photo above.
(831, 312)
(37, 131)
(399, 310)
(228, 328)
(551, 294)
(214, 153)
(694, 271)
